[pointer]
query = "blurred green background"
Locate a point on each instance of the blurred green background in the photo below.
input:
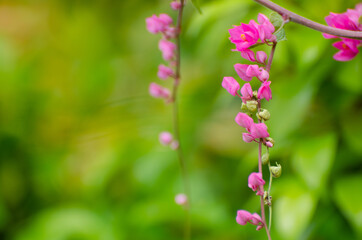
(80, 157)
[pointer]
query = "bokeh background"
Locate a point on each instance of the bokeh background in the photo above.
(79, 151)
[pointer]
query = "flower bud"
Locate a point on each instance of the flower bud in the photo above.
(264, 114)
(269, 139)
(276, 171)
(244, 108)
(181, 199)
(265, 158)
(255, 94)
(252, 105)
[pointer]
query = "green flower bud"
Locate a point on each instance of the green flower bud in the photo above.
(255, 94)
(252, 105)
(276, 171)
(264, 114)
(265, 158)
(244, 108)
(269, 139)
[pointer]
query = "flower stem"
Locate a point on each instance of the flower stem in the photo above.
(269, 200)
(184, 173)
(309, 23)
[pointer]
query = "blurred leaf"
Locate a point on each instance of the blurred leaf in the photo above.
(352, 130)
(196, 5)
(293, 210)
(280, 34)
(348, 197)
(313, 159)
(276, 20)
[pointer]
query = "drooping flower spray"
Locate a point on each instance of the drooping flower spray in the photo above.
(244, 37)
(170, 49)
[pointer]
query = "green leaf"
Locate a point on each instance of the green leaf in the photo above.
(276, 20)
(313, 159)
(280, 34)
(348, 197)
(196, 5)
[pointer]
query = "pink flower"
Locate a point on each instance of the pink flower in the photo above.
(264, 75)
(246, 92)
(175, 5)
(164, 72)
(247, 137)
(181, 199)
(259, 130)
(256, 183)
(348, 49)
(174, 145)
(261, 57)
(265, 28)
(165, 138)
(253, 71)
(156, 24)
(244, 120)
(269, 144)
(231, 85)
(244, 36)
(167, 48)
(159, 92)
(243, 217)
(241, 71)
(248, 55)
(265, 91)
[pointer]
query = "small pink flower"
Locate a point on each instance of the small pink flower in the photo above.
(261, 57)
(241, 71)
(164, 72)
(246, 92)
(256, 183)
(265, 28)
(247, 137)
(231, 85)
(156, 24)
(264, 75)
(167, 48)
(259, 130)
(159, 92)
(244, 36)
(181, 199)
(244, 120)
(175, 5)
(265, 91)
(165, 138)
(175, 145)
(170, 32)
(248, 55)
(348, 49)
(269, 144)
(253, 71)
(243, 217)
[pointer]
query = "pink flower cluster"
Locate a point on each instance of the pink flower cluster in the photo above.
(164, 24)
(166, 139)
(255, 130)
(348, 48)
(243, 217)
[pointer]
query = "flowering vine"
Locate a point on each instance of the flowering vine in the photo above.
(245, 37)
(169, 46)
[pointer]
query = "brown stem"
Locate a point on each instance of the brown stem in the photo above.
(185, 177)
(309, 23)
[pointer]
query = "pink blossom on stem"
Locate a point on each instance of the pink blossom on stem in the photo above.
(243, 217)
(165, 138)
(265, 91)
(265, 28)
(261, 57)
(256, 183)
(175, 5)
(241, 71)
(174, 145)
(253, 71)
(167, 48)
(259, 130)
(244, 36)
(264, 75)
(244, 120)
(246, 92)
(159, 92)
(348, 49)
(248, 55)
(231, 85)
(156, 24)
(247, 137)
(164, 72)
(269, 144)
